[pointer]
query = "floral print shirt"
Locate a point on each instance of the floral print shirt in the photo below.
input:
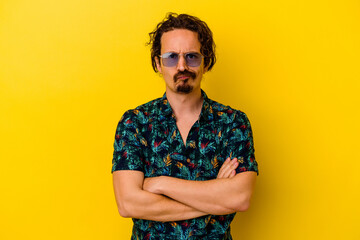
(148, 140)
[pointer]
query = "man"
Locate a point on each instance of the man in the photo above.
(183, 164)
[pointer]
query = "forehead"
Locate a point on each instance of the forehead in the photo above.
(180, 40)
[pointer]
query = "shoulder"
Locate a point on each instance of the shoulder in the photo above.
(149, 107)
(226, 114)
(141, 113)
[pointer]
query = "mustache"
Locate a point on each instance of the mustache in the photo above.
(184, 73)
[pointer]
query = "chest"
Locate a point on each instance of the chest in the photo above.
(184, 126)
(187, 151)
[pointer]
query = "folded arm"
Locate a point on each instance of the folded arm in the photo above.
(134, 202)
(213, 196)
(218, 196)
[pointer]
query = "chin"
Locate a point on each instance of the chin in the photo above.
(184, 89)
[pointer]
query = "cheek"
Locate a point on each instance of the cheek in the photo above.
(170, 73)
(199, 74)
(168, 76)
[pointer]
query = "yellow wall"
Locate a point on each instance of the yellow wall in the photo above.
(70, 68)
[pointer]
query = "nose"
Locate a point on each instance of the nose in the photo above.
(181, 66)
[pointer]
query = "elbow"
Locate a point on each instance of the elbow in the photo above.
(123, 209)
(243, 207)
(242, 204)
(123, 213)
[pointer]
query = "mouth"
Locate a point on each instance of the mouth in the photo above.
(182, 78)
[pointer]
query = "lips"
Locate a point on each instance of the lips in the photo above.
(185, 75)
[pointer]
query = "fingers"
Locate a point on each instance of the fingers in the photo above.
(221, 171)
(227, 170)
(232, 174)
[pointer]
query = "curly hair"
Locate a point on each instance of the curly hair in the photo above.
(183, 21)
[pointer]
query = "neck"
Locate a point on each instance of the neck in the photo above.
(185, 104)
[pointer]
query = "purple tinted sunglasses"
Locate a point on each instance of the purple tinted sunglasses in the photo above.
(171, 59)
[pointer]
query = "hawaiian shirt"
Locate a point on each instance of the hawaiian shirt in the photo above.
(147, 139)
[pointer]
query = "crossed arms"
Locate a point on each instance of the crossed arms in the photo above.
(171, 199)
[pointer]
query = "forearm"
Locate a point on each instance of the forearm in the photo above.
(134, 202)
(217, 196)
(145, 205)
(212, 196)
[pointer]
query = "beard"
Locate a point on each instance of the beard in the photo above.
(184, 87)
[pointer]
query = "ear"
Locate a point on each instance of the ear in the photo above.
(158, 65)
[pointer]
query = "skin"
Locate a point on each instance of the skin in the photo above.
(218, 196)
(136, 202)
(171, 199)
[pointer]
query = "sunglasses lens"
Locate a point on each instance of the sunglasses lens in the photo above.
(170, 59)
(193, 59)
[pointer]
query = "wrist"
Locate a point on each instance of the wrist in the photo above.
(160, 184)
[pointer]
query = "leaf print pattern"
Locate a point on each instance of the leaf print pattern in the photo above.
(147, 140)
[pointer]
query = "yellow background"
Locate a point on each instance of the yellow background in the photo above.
(69, 69)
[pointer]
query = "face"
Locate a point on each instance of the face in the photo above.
(181, 78)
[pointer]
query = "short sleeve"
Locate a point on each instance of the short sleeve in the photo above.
(239, 143)
(128, 152)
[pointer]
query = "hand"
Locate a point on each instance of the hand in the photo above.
(227, 170)
(151, 184)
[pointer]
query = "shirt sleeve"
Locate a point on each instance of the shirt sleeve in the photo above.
(239, 143)
(128, 152)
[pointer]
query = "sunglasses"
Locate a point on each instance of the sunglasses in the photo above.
(171, 59)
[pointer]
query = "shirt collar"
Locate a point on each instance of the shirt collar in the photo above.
(206, 111)
(165, 108)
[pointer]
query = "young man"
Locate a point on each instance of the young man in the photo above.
(183, 164)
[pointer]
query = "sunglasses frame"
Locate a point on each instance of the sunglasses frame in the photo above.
(167, 55)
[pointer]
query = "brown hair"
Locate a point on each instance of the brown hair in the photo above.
(183, 21)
